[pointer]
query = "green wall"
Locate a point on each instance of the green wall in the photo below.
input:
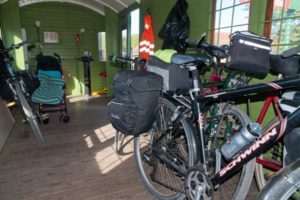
(67, 20)
(10, 23)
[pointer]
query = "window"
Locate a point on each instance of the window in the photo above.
(102, 46)
(124, 43)
(135, 32)
(229, 16)
(283, 24)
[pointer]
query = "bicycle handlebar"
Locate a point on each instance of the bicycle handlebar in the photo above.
(120, 59)
(291, 52)
(212, 49)
(16, 46)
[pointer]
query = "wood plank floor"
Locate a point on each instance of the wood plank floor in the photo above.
(79, 163)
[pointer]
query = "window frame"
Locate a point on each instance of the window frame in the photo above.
(268, 24)
(102, 56)
(213, 17)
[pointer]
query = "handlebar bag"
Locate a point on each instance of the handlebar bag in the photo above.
(175, 77)
(134, 108)
(249, 53)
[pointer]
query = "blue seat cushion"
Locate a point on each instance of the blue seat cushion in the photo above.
(50, 91)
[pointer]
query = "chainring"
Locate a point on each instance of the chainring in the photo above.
(198, 184)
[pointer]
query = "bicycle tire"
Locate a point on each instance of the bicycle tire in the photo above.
(262, 175)
(237, 186)
(31, 117)
(163, 188)
(285, 185)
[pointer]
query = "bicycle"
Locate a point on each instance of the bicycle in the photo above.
(273, 160)
(177, 128)
(21, 96)
(284, 185)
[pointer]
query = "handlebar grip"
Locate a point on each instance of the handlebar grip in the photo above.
(120, 59)
(291, 52)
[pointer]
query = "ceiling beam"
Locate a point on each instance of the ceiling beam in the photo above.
(107, 5)
(29, 2)
(122, 3)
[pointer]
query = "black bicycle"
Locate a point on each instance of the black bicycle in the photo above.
(21, 95)
(177, 159)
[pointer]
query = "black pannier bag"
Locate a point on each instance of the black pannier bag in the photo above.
(175, 77)
(134, 108)
(249, 53)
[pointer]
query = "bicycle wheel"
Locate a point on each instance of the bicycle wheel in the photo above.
(270, 162)
(164, 154)
(30, 116)
(285, 185)
(229, 123)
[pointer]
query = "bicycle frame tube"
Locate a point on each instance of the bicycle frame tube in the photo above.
(269, 100)
(249, 91)
(197, 106)
(258, 147)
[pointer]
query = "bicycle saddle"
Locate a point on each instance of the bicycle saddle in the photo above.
(181, 59)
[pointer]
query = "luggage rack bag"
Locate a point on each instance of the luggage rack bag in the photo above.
(249, 53)
(175, 77)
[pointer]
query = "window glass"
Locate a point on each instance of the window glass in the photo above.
(241, 14)
(241, 1)
(135, 32)
(102, 46)
(217, 19)
(275, 30)
(277, 9)
(226, 17)
(290, 31)
(124, 43)
(227, 3)
(230, 16)
(224, 36)
(239, 28)
(285, 24)
(291, 8)
(218, 4)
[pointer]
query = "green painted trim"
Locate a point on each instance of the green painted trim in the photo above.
(257, 16)
(112, 27)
